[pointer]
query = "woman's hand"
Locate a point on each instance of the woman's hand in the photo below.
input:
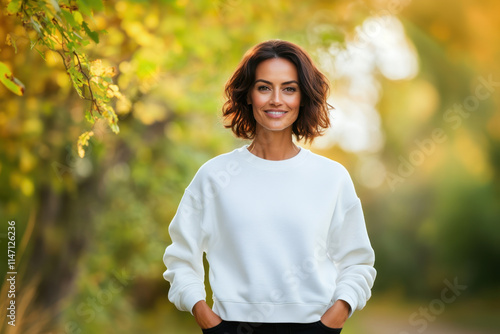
(204, 316)
(337, 315)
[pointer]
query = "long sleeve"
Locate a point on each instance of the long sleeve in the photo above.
(350, 249)
(184, 257)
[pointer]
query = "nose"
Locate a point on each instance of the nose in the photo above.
(275, 97)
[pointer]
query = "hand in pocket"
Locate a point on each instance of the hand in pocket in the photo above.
(325, 329)
(217, 329)
(204, 316)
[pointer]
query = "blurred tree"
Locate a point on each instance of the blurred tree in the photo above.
(91, 230)
(61, 27)
(103, 216)
(440, 218)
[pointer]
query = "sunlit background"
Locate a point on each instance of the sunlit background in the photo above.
(415, 87)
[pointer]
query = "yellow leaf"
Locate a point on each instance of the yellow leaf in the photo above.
(83, 140)
(109, 71)
(96, 68)
(78, 17)
(99, 70)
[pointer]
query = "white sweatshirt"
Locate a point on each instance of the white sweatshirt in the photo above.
(284, 239)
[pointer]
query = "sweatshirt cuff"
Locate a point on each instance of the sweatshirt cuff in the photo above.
(343, 295)
(191, 298)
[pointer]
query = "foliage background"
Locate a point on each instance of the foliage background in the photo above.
(91, 231)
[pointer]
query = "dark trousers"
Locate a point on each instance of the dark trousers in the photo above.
(235, 327)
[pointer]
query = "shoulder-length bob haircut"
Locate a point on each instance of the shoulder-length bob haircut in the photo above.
(313, 116)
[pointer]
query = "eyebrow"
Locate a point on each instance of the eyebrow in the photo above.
(270, 83)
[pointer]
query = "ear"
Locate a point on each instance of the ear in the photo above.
(249, 101)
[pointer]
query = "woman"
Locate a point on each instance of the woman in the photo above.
(282, 227)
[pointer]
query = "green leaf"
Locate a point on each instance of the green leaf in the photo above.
(9, 81)
(82, 6)
(14, 6)
(92, 34)
(109, 114)
(89, 117)
(77, 79)
(71, 46)
(87, 6)
(93, 4)
(70, 19)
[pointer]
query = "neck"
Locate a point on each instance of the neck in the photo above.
(273, 145)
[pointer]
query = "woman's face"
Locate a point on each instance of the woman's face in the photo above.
(275, 95)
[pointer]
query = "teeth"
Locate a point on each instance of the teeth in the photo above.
(275, 112)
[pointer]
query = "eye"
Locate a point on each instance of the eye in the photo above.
(290, 89)
(262, 88)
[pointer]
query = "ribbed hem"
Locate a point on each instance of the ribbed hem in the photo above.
(269, 312)
(274, 165)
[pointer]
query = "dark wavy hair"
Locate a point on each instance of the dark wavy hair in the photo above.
(313, 116)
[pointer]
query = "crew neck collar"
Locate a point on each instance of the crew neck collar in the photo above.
(273, 164)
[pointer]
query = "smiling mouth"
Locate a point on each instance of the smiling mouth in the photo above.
(275, 113)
